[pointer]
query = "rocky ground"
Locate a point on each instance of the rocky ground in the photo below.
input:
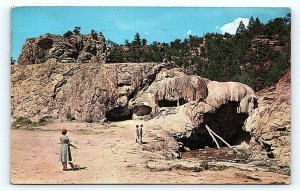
(108, 154)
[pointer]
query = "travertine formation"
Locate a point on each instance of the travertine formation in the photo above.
(183, 103)
(75, 48)
(121, 91)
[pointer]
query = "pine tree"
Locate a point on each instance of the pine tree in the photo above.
(12, 61)
(126, 42)
(76, 30)
(137, 40)
(251, 25)
(241, 29)
(144, 42)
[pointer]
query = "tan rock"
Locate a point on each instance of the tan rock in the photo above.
(270, 123)
(76, 48)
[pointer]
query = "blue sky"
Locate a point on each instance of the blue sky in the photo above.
(119, 23)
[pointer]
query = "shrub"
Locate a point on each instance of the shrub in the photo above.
(23, 121)
(43, 120)
(204, 165)
(68, 34)
(70, 117)
(246, 155)
(89, 120)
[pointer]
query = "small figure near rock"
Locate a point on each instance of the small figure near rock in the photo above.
(139, 134)
(136, 133)
(65, 151)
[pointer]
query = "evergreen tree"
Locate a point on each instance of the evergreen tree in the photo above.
(126, 42)
(257, 27)
(144, 42)
(251, 22)
(137, 40)
(12, 61)
(76, 30)
(241, 28)
(94, 34)
(68, 34)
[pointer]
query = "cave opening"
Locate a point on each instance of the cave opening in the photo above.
(225, 122)
(119, 113)
(142, 110)
(171, 103)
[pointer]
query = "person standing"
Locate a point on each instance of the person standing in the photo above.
(65, 151)
(140, 134)
(137, 133)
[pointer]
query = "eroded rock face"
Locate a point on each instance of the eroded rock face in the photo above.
(171, 88)
(224, 110)
(75, 48)
(270, 123)
(116, 92)
(223, 106)
(96, 91)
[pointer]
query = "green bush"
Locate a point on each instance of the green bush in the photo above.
(23, 121)
(204, 165)
(68, 34)
(89, 120)
(43, 120)
(70, 117)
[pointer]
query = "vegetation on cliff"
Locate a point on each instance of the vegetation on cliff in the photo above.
(257, 55)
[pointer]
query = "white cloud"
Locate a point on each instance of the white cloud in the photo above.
(189, 32)
(232, 26)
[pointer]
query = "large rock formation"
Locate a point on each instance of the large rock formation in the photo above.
(270, 123)
(123, 91)
(75, 48)
(83, 91)
(170, 88)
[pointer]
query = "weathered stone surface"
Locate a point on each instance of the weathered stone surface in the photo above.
(171, 88)
(123, 91)
(93, 90)
(270, 123)
(76, 48)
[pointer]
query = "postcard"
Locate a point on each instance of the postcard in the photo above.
(150, 95)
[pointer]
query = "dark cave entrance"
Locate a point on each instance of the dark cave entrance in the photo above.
(226, 122)
(119, 113)
(171, 103)
(142, 110)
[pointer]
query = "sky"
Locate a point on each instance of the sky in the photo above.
(163, 24)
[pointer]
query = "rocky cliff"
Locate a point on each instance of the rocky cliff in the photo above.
(270, 123)
(74, 48)
(84, 91)
(113, 92)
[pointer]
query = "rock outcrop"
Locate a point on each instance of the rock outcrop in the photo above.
(118, 91)
(80, 90)
(75, 48)
(171, 88)
(270, 123)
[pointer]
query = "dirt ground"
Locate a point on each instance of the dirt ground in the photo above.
(108, 154)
